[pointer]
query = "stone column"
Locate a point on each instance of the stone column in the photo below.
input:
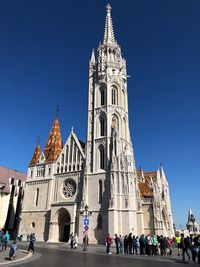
(53, 232)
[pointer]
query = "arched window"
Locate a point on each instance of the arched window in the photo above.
(102, 159)
(114, 96)
(74, 156)
(62, 160)
(99, 221)
(100, 191)
(102, 127)
(36, 197)
(102, 93)
(123, 99)
(67, 152)
(123, 187)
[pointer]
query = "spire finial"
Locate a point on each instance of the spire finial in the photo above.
(72, 129)
(108, 8)
(38, 140)
(109, 33)
(57, 111)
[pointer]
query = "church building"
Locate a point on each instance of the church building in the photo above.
(93, 187)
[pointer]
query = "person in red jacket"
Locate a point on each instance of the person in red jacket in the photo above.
(108, 243)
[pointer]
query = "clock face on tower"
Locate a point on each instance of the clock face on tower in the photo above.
(69, 188)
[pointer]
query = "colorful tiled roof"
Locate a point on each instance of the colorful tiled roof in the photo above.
(53, 146)
(36, 156)
(145, 187)
(145, 191)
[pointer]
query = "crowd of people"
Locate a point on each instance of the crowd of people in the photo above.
(155, 245)
(129, 244)
(4, 241)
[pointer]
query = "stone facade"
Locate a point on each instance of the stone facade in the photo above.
(101, 174)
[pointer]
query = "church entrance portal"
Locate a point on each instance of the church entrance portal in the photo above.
(64, 225)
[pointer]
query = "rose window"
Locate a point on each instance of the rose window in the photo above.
(69, 188)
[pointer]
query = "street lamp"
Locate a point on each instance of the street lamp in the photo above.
(86, 213)
(192, 219)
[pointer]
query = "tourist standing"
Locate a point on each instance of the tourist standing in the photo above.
(178, 243)
(75, 241)
(72, 240)
(121, 245)
(6, 239)
(117, 243)
(185, 247)
(196, 249)
(85, 242)
(130, 243)
(108, 243)
(154, 245)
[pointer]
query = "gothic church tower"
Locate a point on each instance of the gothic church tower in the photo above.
(110, 181)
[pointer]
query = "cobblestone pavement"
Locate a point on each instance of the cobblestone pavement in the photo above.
(60, 254)
(20, 256)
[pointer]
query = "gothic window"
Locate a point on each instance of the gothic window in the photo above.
(102, 127)
(65, 168)
(67, 151)
(118, 185)
(102, 92)
(62, 160)
(71, 146)
(37, 197)
(49, 171)
(101, 150)
(99, 221)
(31, 174)
(74, 156)
(69, 187)
(62, 169)
(114, 96)
(79, 156)
(100, 191)
(123, 191)
(123, 99)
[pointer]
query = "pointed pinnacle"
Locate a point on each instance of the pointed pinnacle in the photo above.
(92, 60)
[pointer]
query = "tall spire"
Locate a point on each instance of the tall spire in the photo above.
(36, 156)
(53, 146)
(109, 33)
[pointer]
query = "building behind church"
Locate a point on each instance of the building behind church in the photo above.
(99, 174)
(11, 197)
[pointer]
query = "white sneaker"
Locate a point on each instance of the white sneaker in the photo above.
(109, 253)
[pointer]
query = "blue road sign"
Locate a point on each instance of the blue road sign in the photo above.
(86, 227)
(86, 221)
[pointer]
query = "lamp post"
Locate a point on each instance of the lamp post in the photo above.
(86, 213)
(192, 219)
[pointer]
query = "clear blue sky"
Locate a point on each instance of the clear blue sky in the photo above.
(44, 51)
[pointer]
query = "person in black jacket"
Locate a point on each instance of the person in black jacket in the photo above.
(185, 245)
(117, 243)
